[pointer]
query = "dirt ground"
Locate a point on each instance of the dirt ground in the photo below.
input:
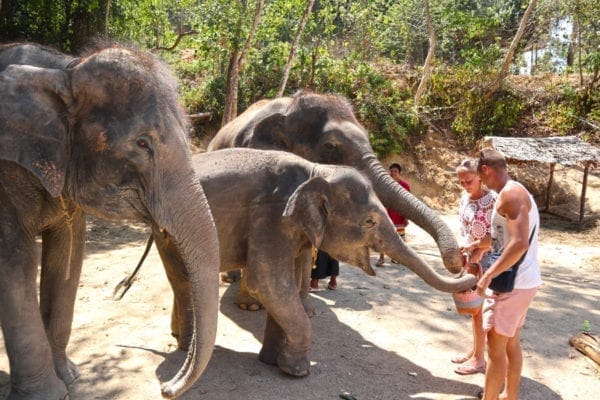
(384, 337)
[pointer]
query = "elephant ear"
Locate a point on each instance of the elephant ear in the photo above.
(33, 122)
(269, 133)
(308, 208)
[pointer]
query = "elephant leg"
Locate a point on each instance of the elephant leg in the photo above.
(182, 317)
(245, 300)
(32, 373)
(62, 258)
(304, 263)
(288, 330)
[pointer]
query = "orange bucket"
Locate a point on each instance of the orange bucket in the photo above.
(467, 302)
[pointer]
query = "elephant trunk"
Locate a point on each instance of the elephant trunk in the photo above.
(399, 251)
(394, 196)
(189, 222)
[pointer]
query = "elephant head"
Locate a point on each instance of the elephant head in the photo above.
(341, 214)
(108, 135)
(322, 128)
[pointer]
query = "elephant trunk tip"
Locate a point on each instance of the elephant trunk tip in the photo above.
(170, 391)
(453, 260)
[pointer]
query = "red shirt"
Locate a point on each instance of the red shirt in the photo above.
(396, 217)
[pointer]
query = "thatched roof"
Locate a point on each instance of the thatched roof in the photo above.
(565, 150)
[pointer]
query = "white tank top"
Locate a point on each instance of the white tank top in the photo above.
(528, 275)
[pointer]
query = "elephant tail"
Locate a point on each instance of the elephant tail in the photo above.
(126, 283)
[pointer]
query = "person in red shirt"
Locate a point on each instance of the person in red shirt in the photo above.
(397, 219)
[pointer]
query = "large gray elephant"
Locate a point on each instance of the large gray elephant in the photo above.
(270, 209)
(322, 128)
(101, 135)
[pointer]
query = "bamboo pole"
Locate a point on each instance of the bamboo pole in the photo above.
(583, 189)
(549, 187)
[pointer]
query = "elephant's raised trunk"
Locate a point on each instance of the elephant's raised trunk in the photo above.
(392, 195)
(399, 251)
(195, 235)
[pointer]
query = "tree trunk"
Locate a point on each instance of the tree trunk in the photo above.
(510, 54)
(236, 63)
(107, 18)
(429, 59)
(573, 43)
(288, 65)
(231, 90)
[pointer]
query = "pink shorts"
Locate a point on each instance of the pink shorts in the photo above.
(506, 312)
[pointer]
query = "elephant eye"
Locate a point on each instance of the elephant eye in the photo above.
(369, 222)
(144, 143)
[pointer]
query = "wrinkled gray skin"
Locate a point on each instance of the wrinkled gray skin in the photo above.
(105, 136)
(322, 128)
(270, 208)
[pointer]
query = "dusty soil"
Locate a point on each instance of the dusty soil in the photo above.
(384, 337)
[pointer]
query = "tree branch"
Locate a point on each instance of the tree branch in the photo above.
(179, 37)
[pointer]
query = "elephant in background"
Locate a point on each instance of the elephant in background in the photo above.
(102, 135)
(270, 209)
(322, 128)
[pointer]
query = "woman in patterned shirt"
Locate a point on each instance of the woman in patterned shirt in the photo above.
(475, 213)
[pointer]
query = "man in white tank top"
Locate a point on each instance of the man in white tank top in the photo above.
(514, 220)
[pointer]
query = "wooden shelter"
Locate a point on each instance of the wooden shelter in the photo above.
(564, 150)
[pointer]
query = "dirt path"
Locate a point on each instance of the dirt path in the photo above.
(387, 337)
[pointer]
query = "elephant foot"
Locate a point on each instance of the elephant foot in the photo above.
(248, 303)
(55, 389)
(66, 370)
(309, 307)
(294, 365)
(268, 355)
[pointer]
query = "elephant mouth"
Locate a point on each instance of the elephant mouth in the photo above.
(365, 262)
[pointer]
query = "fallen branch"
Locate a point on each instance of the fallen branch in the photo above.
(588, 345)
(201, 117)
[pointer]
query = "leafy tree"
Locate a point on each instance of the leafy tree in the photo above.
(65, 24)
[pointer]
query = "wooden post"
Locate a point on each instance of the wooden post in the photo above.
(583, 189)
(549, 187)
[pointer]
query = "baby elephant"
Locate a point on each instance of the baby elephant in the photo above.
(270, 209)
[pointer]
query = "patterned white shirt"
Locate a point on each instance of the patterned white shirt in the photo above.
(475, 217)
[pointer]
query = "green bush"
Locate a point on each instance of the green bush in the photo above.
(561, 117)
(384, 108)
(461, 97)
(477, 116)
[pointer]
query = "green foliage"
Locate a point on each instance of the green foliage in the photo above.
(477, 116)
(383, 107)
(65, 24)
(347, 48)
(561, 117)
(460, 93)
(586, 327)
(208, 96)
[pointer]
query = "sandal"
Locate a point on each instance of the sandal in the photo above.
(469, 369)
(380, 263)
(332, 286)
(459, 358)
